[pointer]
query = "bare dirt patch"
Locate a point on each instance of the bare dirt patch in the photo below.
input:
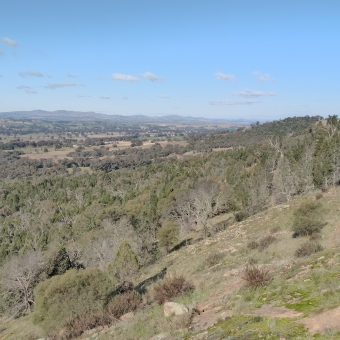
(276, 312)
(61, 154)
(326, 320)
(211, 311)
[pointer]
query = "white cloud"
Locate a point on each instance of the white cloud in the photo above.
(124, 77)
(233, 102)
(27, 89)
(252, 93)
(70, 75)
(105, 97)
(150, 76)
(263, 77)
(59, 85)
(9, 41)
(163, 97)
(30, 91)
(224, 76)
(31, 74)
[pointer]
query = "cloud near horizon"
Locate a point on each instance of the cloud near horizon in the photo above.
(124, 77)
(105, 97)
(70, 75)
(9, 42)
(84, 96)
(233, 102)
(253, 93)
(31, 74)
(263, 77)
(163, 96)
(60, 85)
(150, 76)
(224, 76)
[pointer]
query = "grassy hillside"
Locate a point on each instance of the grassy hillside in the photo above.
(300, 301)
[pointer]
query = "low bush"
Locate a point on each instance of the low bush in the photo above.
(213, 259)
(319, 195)
(123, 303)
(308, 218)
(275, 229)
(266, 241)
(67, 296)
(252, 245)
(308, 248)
(315, 237)
(170, 288)
(255, 276)
(79, 324)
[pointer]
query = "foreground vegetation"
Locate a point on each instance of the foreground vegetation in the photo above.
(249, 225)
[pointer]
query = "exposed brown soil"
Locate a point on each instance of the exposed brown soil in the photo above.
(329, 319)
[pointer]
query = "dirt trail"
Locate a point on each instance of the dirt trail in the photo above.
(276, 312)
(210, 308)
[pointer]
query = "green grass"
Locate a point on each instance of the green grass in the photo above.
(253, 328)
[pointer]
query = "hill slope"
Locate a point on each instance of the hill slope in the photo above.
(301, 300)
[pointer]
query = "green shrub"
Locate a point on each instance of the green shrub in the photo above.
(78, 324)
(125, 265)
(308, 218)
(168, 235)
(308, 248)
(67, 296)
(170, 288)
(58, 262)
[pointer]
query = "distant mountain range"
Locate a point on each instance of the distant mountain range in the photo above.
(63, 115)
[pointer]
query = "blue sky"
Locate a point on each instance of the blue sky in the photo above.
(213, 58)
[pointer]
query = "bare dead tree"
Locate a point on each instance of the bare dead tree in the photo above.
(18, 278)
(100, 251)
(202, 200)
